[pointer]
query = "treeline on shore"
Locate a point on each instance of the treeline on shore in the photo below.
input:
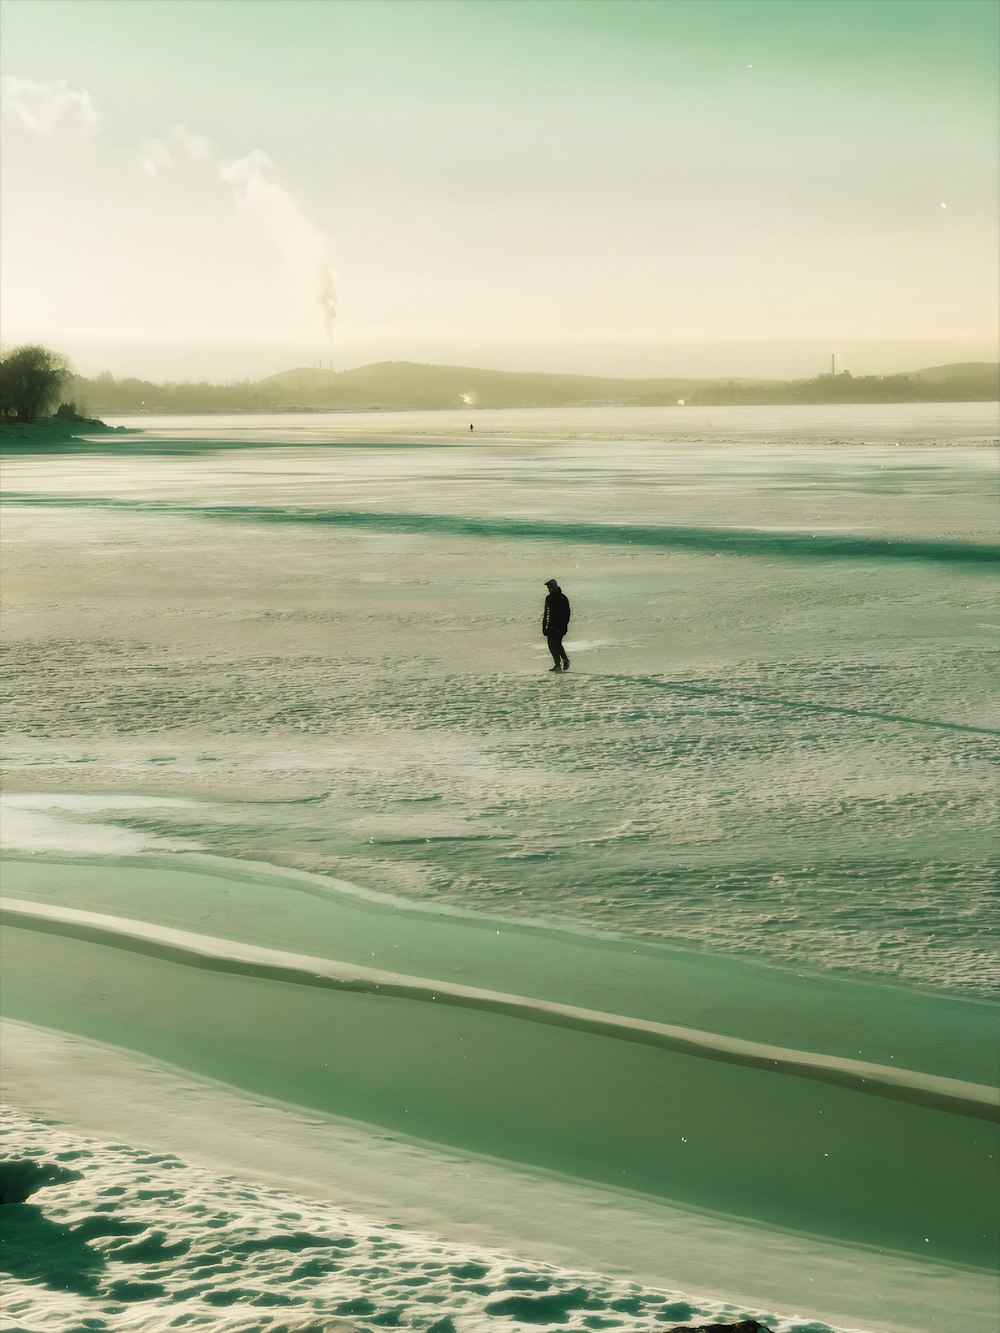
(403, 385)
(104, 394)
(848, 388)
(35, 381)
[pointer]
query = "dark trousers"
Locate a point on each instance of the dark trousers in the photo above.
(555, 638)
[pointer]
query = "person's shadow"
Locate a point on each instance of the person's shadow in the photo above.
(34, 1249)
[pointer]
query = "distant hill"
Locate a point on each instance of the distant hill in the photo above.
(408, 384)
(983, 374)
(402, 384)
(412, 384)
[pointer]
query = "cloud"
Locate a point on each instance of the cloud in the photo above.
(48, 108)
(179, 142)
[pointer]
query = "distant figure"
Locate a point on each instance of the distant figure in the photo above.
(471, 426)
(555, 623)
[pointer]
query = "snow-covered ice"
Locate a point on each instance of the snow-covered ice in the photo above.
(302, 658)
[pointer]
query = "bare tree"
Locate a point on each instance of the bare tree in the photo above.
(31, 380)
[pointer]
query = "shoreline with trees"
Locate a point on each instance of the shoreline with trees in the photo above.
(35, 380)
(400, 385)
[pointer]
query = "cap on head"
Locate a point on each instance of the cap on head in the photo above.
(551, 583)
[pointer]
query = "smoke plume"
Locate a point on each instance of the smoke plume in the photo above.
(259, 195)
(299, 241)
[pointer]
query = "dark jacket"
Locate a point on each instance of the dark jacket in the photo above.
(555, 617)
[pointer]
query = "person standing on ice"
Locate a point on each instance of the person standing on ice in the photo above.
(555, 623)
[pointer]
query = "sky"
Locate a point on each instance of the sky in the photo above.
(222, 189)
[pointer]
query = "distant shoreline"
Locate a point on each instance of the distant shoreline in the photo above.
(340, 409)
(404, 386)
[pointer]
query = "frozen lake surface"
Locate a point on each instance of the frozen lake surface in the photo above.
(779, 747)
(311, 645)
